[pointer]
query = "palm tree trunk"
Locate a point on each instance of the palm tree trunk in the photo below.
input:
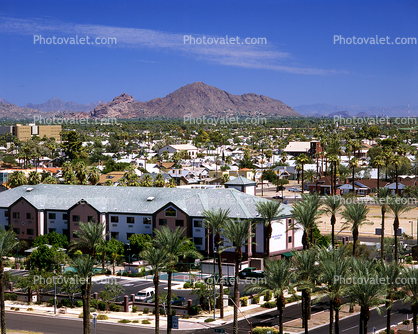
(331, 316)
(355, 237)
(337, 303)
(89, 286)
(238, 258)
(303, 178)
(382, 241)
(3, 311)
(361, 322)
(308, 304)
(332, 188)
(333, 231)
(281, 302)
(378, 184)
(354, 192)
(169, 294)
(306, 311)
(396, 175)
(366, 319)
(221, 286)
(86, 315)
(267, 241)
(388, 315)
(395, 229)
(157, 304)
(414, 317)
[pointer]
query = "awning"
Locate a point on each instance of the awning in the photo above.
(288, 254)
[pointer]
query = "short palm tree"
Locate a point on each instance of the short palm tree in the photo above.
(397, 206)
(16, 179)
(306, 274)
(91, 236)
(157, 258)
(410, 288)
(238, 233)
(269, 210)
(382, 198)
(84, 266)
(305, 215)
(177, 247)
(355, 215)
(81, 172)
(7, 244)
(34, 178)
(146, 180)
(334, 263)
(94, 175)
(277, 278)
(332, 206)
(215, 222)
(365, 291)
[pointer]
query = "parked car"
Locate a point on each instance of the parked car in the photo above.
(145, 295)
(294, 189)
(277, 197)
(227, 280)
(177, 301)
(250, 272)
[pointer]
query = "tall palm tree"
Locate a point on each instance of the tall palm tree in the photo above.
(215, 222)
(238, 232)
(366, 292)
(81, 172)
(410, 288)
(176, 246)
(84, 266)
(157, 258)
(334, 263)
(306, 274)
(392, 272)
(396, 162)
(7, 244)
(355, 215)
(332, 206)
(378, 162)
(91, 236)
(302, 160)
(353, 164)
(277, 278)
(305, 214)
(382, 198)
(269, 210)
(397, 206)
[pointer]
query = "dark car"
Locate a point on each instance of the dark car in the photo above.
(177, 301)
(250, 272)
(277, 197)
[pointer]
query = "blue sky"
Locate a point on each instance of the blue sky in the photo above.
(300, 64)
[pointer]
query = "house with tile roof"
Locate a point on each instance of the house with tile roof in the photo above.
(39, 209)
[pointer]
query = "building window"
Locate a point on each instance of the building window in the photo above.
(114, 219)
(198, 223)
(65, 231)
(130, 220)
(6, 213)
(179, 222)
(198, 241)
(64, 216)
(52, 216)
(146, 221)
(76, 218)
(114, 235)
(16, 230)
(29, 215)
(170, 212)
(30, 231)
(16, 215)
(162, 222)
(49, 230)
(91, 219)
(128, 235)
(289, 239)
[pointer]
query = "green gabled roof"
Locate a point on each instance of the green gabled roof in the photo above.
(240, 181)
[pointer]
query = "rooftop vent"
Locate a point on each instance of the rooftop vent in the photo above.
(29, 189)
(151, 198)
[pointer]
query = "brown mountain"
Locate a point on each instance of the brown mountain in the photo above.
(196, 100)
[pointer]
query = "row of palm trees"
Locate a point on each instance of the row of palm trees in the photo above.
(335, 274)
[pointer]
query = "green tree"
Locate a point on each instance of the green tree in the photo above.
(238, 233)
(269, 211)
(111, 292)
(159, 181)
(146, 180)
(16, 179)
(50, 180)
(7, 244)
(277, 278)
(355, 215)
(45, 258)
(34, 178)
(116, 249)
(72, 145)
(332, 206)
(139, 242)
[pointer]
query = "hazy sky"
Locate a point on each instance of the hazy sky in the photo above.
(300, 64)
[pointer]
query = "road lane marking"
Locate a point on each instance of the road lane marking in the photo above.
(349, 328)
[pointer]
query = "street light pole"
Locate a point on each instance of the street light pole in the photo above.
(55, 295)
(129, 255)
(214, 290)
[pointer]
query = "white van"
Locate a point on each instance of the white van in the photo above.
(145, 295)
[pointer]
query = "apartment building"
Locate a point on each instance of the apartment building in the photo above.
(25, 132)
(40, 209)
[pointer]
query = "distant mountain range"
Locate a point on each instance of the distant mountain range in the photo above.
(195, 100)
(329, 110)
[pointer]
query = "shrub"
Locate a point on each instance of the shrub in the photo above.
(81, 315)
(101, 306)
(267, 296)
(162, 311)
(408, 259)
(293, 299)
(271, 304)
(134, 309)
(406, 322)
(173, 312)
(124, 273)
(6, 296)
(256, 299)
(12, 308)
(13, 297)
(115, 308)
(153, 311)
(79, 303)
(135, 321)
(145, 322)
(209, 320)
(38, 302)
(50, 302)
(244, 301)
(17, 309)
(195, 310)
(186, 316)
(188, 285)
(66, 303)
(29, 309)
(102, 317)
(125, 321)
(93, 303)
(146, 310)
(264, 330)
